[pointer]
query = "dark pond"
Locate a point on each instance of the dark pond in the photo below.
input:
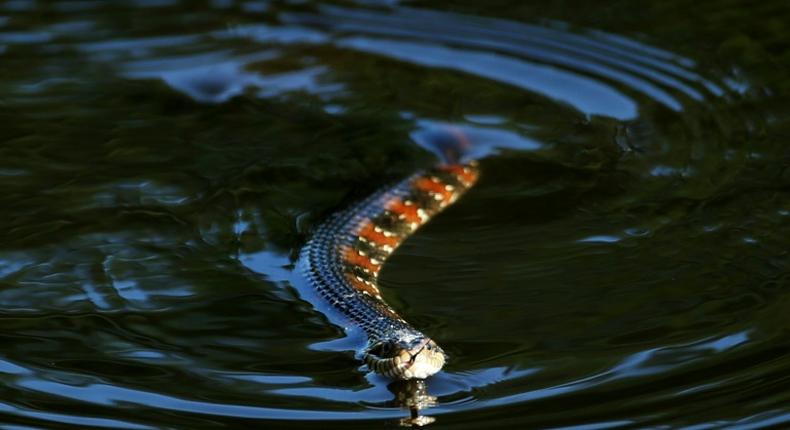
(623, 262)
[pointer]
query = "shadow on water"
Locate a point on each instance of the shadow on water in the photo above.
(621, 264)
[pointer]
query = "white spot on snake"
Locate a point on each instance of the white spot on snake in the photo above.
(386, 233)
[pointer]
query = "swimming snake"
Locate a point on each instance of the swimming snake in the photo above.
(344, 256)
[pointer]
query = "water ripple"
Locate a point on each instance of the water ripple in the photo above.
(589, 96)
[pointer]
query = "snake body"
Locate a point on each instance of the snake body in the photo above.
(344, 256)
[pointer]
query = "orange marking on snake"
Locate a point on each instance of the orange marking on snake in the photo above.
(408, 212)
(362, 286)
(352, 256)
(464, 174)
(428, 185)
(368, 231)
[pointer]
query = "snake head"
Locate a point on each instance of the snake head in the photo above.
(411, 358)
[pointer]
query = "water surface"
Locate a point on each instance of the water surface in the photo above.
(623, 262)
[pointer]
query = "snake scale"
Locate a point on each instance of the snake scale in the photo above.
(344, 256)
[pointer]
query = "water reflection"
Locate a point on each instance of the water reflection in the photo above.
(55, 418)
(589, 96)
(413, 396)
(116, 49)
(488, 141)
(219, 82)
(13, 38)
(542, 60)
(625, 61)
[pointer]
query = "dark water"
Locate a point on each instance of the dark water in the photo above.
(623, 262)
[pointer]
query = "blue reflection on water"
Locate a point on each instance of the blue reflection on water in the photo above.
(220, 81)
(723, 343)
(487, 140)
(585, 94)
(69, 28)
(527, 44)
(12, 263)
(266, 379)
(136, 47)
(599, 239)
(648, 362)
(24, 37)
(255, 6)
(763, 420)
(96, 298)
(485, 119)
(70, 419)
(543, 60)
(12, 369)
(612, 57)
(274, 265)
(111, 395)
(373, 394)
(268, 34)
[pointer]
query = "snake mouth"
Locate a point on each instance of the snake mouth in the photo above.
(399, 362)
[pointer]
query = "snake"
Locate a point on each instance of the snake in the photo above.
(344, 256)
